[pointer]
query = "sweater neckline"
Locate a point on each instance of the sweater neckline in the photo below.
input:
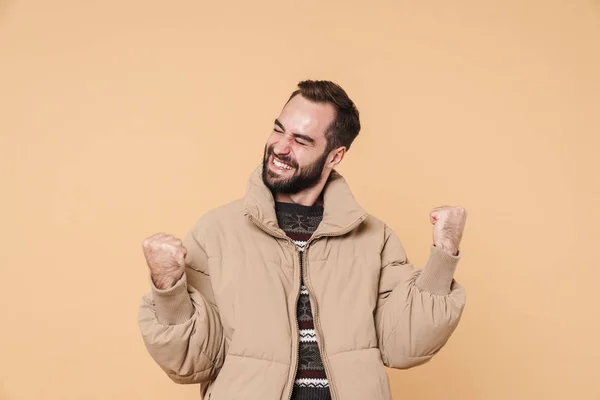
(311, 211)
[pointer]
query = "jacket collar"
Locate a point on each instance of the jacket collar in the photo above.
(341, 212)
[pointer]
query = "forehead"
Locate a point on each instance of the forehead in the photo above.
(305, 117)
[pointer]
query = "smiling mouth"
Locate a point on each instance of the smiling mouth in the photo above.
(281, 165)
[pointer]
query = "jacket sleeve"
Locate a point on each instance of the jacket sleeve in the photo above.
(417, 310)
(180, 326)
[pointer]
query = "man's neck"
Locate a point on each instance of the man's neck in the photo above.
(303, 199)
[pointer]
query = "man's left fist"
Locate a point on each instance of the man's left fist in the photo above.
(448, 225)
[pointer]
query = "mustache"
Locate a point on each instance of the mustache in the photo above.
(285, 159)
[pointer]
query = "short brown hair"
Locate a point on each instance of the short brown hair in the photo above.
(346, 125)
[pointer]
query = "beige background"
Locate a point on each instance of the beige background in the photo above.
(120, 118)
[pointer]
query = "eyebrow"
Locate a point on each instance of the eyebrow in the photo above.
(296, 135)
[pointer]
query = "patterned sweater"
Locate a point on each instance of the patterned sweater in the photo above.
(299, 223)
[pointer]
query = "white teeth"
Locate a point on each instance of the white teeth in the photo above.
(281, 165)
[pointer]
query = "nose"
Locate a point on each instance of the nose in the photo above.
(282, 146)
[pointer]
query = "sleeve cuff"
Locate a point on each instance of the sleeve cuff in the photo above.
(437, 275)
(173, 306)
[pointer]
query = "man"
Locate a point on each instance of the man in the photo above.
(294, 291)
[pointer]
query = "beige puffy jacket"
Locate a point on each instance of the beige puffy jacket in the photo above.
(230, 321)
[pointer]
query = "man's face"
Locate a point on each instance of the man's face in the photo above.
(296, 152)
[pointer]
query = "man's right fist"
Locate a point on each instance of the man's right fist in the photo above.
(165, 256)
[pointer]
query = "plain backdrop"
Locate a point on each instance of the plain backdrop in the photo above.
(122, 118)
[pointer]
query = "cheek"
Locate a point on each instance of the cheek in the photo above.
(304, 158)
(269, 144)
(309, 156)
(273, 140)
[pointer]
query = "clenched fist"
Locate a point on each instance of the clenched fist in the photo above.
(448, 226)
(165, 256)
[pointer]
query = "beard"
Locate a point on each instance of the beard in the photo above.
(306, 178)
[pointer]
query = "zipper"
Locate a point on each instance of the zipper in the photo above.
(295, 339)
(297, 333)
(314, 306)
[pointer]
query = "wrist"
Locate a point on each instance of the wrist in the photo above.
(448, 248)
(164, 281)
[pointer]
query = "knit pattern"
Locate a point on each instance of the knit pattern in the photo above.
(299, 223)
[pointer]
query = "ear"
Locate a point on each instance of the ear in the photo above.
(337, 156)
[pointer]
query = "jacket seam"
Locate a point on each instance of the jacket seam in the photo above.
(352, 350)
(211, 366)
(257, 358)
(397, 321)
(193, 235)
(197, 270)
